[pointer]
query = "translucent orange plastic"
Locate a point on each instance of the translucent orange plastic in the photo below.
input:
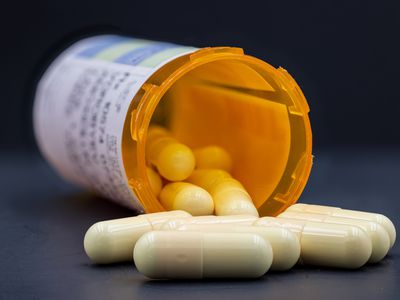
(220, 96)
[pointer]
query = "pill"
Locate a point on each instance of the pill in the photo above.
(153, 178)
(326, 244)
(173, 160)
(233, 202)
(230, 197)
(285, 244)
(195, 255)
(188, 197)
(175, 223)
(213, 157)
(113, 240)
(352, 214)
(156, 131)
(378, 235)
(207, 178)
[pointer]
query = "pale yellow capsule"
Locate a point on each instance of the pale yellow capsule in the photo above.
(285, 244)
(352, 214)
(326, 244)
(154, 180)
(174, 161)
(233, 202)
(230, 197)
(227, 183)
(195, 255)
(188, 197)
(174, 223)
(378, 235)
(207, 178)
(113, 240)
(213, 157)
(156, 131)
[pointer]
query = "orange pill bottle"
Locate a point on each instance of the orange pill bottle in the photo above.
(96, 100)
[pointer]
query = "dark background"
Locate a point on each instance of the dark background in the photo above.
(343, 54)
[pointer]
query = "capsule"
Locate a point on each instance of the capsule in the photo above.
(196, 255)
(352, 214)
(188, 197)
(230, 197)
(326, 244)
(153, 177)
(285, 244)
(207, 178)
(378, 235)
(113, 240)
(213, 157)
(155, 131)
(173, 160)
(175, 223)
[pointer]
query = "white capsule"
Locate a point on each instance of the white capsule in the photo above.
(113, 240)
(285, 244)
(175, 223)
(346, 213)
(194, 255)
(378, 235)
(326, 244)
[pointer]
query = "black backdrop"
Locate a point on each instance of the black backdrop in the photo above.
(344, 54)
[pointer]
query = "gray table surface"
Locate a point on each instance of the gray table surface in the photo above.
(43, 221)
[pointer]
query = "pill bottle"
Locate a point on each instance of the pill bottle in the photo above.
(94, 103)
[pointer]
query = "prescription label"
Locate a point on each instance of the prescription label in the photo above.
(81, 104)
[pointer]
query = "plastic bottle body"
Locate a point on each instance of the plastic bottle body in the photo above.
(95, 102)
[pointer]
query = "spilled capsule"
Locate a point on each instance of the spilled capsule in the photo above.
(195, 255)
(175, 223)
(326, 244)
(188, 197)
(113, 240)
(378, 235)
(346, 213)
(285, 244)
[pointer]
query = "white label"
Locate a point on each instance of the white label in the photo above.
(81, 104)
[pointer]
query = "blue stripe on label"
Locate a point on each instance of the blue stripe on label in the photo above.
(136, 56)
(101, 44)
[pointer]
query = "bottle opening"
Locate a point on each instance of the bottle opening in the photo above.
(219, 96)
